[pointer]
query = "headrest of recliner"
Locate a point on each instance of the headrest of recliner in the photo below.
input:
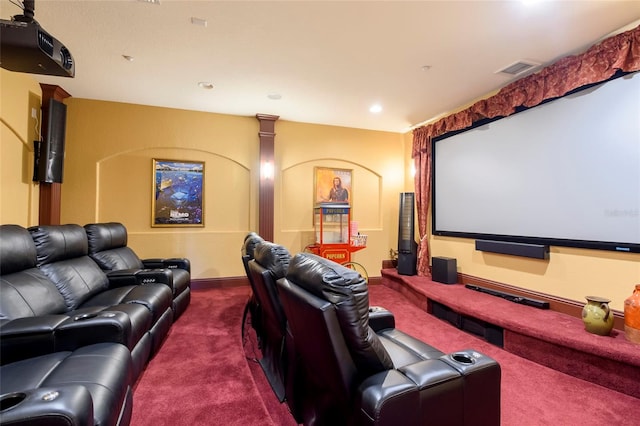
(17, 250)
(59, 242)
(250, 242)
(105, 236)
(273, 257)
(326, 279)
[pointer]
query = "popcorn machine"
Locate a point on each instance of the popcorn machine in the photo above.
(334, 233)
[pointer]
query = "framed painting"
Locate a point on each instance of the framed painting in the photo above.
(178, 193)
(333, 185)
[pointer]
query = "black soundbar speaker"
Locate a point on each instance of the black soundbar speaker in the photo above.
(540, 304)
(536, 251)
(444, 270)
(407, 263)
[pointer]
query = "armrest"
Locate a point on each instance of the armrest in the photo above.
(171, 263)
(388, 398)
(124, 277)
(380, 318)
(65, 405)
(86, 329)
(27, 337)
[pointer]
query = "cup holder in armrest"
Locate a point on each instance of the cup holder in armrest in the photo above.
(469, 361)
(10, 400)
(463, 358)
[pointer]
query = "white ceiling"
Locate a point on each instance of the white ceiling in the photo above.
(329, 60)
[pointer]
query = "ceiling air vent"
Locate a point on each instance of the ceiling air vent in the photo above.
(518, 68)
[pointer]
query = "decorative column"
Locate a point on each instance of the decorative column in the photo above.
(50, 193)
(267, 167)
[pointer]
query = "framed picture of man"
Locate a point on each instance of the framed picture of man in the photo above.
(178, 196)
(333, 185)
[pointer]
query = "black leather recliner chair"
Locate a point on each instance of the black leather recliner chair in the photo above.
(269, 264)
(252, 308)
(62, 255)
(354, 368)
(108, 248)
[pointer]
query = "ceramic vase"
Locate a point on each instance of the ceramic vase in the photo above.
(632, 316)
(596, 315)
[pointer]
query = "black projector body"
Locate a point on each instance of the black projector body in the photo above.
(27, 47)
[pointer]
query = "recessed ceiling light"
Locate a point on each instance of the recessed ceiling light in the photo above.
(128, 58)
(425, 67)
(205, 85)
(150, 1)
(375, 108)
(274, 96)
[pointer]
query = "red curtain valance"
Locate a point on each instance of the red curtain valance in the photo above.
(600, 62)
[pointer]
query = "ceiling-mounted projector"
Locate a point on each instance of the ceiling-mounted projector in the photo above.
(26, 47)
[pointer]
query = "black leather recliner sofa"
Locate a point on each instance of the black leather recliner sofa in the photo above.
(108, 248)
(63, 364)
(353, 367)
(36, 316)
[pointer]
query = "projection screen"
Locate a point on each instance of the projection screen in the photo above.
(566, 172)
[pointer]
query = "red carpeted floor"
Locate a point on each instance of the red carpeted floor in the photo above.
(202, 377)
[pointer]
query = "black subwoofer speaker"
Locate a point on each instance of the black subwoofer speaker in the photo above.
(407, 263)
(444, 270)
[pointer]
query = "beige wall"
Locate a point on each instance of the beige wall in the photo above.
(18, 129)
(108, 177)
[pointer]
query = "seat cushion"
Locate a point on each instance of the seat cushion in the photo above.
(406, 350)
(156, 298)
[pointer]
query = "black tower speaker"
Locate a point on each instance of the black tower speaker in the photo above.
(407, 247)
(444, 270)
(50, 157)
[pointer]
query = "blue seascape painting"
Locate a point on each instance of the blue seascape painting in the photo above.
(178, 193)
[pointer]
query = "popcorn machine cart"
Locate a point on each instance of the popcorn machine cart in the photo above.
(334, 239)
